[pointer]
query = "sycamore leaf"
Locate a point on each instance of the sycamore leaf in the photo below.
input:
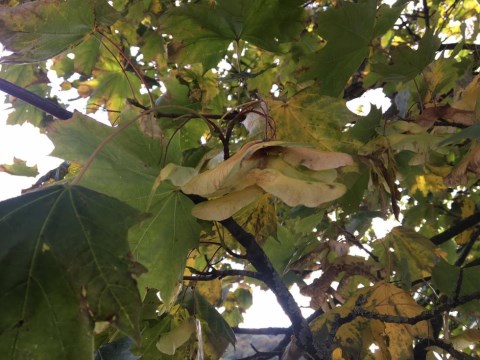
(355, 337)
(126, 168)
(445, 277)
(69, 266)
(402, 243)
(348, 30)
(225, 206)
(19, 168)
(110, 88)
(395, 339)
(295, 192)
(162, 241)
(307, 118)
(38, 30)
(203, 31)
(407, 63)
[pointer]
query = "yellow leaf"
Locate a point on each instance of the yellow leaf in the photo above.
(406, 244)
(467, 99)
(429, 183)
(467, 208)
(223, 207)
(394, 340)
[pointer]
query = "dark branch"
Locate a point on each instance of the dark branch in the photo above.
(451, 46)
(261, 262)
(33, 99)
(425, 343)
(213, 274)
(358, 311)
(468, 247)
(262, 331)
(456, 229)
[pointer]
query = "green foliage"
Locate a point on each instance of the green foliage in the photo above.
(248, 170)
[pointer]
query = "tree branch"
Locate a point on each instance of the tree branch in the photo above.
(358, 311)
(425, 343)
(213, 274)
(33, 99)
(262, 331)
(468, 247)
(456, 229)
(261, 262)
(451, 46)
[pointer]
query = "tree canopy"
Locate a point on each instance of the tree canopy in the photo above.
(231, 161)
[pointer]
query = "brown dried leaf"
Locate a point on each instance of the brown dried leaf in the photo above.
(444, 113)
(295, 192)
(227, 176)
(471, 162)
(349, 265)
(315, 159)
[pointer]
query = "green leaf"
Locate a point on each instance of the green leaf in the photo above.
(162, 241)
(407, 63)
(217, 326)
(39, 30)
(348, 30)
(70, 266)
(445, 277)
(204, 31)
(471, 132)
(280, 250)
(470, 280)
(110, 89)
(387, 16)
(19, 168)
(126, 168)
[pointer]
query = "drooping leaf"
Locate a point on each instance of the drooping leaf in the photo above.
(70, 266)
(38, 30)
(225, 206)
(216, 326)
(169, 342)
(295, 192)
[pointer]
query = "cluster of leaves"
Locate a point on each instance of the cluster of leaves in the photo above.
(250, 160)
